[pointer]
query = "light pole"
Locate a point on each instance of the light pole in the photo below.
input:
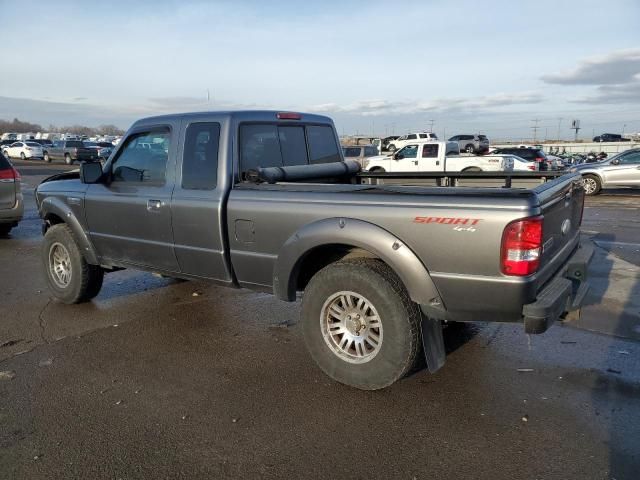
(559, 123)
(623, 127)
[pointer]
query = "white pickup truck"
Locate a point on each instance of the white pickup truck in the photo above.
(429, 156)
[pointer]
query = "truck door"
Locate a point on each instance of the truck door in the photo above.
(198, 203)
(406, 160)
(129, 216)
(429, 160)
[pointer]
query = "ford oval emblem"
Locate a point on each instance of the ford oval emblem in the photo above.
(566, 226)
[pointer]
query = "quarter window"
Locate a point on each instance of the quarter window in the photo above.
(350, 152)
(413, 136)
(143, 158)
(200, 159)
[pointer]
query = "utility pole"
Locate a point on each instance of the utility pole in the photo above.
(559, 123)
(623, 127)
(431, 126)
(535, 128)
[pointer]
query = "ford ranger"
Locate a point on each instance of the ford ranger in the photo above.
(264, 200)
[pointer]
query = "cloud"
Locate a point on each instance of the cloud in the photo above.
(613, 94)
(619, 67)
(438, 105)
(79, 99)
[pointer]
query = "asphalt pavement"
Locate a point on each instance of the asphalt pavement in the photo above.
(163, 379)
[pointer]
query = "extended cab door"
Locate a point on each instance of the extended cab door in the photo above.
(198, 203)
(129, 216)
(626, 172)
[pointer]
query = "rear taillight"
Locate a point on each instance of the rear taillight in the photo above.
(540, 159)
(9, 174)
(522, 247)
(531, 167)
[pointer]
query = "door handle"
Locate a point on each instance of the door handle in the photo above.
(153, 205)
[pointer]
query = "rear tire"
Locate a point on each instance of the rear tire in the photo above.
(377, 170)
(22, 156)
(46, 157)
(67, 159)
(71, 279)
(469, 148)
(592, 185)
(5, 229)
(375, 339)
(392, 148)
(472, 169)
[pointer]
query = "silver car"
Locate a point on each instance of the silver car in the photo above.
(11, 205)
(360, 153)
(622, 170)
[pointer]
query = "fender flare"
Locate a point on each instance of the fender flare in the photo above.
(348, 231)
(57, 207)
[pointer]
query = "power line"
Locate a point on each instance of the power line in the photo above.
(535, 128)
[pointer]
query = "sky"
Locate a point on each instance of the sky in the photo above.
(493, 67)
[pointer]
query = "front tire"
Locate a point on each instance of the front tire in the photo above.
(469, 149)
(5, 229)
(46, 157)
(472, 169)
(392, 148)
(359, 324)
(71, 279)
(592, 185)
(22, 156)
(67, 159)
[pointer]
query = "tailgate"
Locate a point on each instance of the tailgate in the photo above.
(7, 184)
(561, 206)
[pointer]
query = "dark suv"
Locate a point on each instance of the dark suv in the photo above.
(529, 154)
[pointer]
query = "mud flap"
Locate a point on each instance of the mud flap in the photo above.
(433, 343)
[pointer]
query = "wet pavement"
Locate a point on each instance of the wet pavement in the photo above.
(163, 379)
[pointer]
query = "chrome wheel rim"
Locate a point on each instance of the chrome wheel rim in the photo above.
(589, 185)
(351, 327)
(60, 265)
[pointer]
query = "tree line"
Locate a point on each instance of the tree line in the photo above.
(19, 126)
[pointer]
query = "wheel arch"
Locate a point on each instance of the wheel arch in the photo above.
(322, 242)
(54, 211)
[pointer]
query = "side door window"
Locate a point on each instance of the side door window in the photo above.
(413, 136)
(630, 159)
(143, 159)
(200, 160)
(410, 151)
(351, 152)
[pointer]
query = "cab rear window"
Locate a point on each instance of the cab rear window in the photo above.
(272, 145)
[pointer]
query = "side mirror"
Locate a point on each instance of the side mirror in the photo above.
(398, 156)
(615, 161)
(90, 172)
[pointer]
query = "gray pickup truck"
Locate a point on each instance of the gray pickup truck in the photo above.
(70, 151)
(264, 200)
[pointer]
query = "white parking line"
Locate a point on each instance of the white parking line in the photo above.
(616, 244)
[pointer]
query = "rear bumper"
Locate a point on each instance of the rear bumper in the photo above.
(564, 293)
(12, 216)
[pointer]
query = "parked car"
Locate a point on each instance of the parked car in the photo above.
(520, 164)
(104, 153)
(386, 140)
(70, 151)
(471, 143)
(45, 142)
(610, 137)
(531, 154)
(264, 200)
(23, 150)
(400, 142)
(11, 202)
(437, 157)
(360, 153)
(622, 170)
